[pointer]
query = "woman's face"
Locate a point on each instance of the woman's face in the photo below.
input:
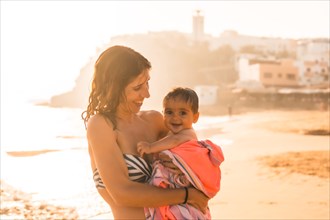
(135, 93)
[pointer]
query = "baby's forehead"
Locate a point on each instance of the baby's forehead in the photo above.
(178, 99)
(177, 102)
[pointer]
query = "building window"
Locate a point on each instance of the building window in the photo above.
(268, 75)
(290, 76)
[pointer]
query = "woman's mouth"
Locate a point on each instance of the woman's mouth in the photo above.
(138, 104)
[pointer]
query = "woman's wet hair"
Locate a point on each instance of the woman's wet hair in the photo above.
(115, 68)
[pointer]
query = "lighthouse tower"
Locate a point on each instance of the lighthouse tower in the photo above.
(198, 26)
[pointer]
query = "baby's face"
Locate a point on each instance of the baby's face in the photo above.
(178, 115)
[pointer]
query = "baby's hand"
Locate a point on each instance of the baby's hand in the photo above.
(143, 148)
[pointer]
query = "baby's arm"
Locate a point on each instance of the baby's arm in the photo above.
(166, 143)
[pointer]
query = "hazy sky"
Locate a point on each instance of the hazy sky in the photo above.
(48, 41)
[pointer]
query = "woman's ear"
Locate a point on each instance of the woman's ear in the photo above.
(196, 116)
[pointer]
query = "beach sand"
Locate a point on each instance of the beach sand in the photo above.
(276, 167)
(262, 177)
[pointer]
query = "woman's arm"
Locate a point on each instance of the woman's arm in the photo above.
(113, 171)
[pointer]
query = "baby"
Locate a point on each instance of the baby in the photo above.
(198, 161)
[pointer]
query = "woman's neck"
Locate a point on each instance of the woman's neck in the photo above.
(125, 116)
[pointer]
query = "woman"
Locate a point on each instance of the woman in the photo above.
(115, 125)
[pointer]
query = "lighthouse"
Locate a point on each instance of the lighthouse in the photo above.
(198, 26)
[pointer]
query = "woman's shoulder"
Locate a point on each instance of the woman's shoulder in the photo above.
(99, 121)
(151, 115)
(156, 121)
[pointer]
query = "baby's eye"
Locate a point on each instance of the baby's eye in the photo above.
(168, 112)
(183, 113)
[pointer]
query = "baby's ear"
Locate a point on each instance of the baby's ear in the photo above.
(196, 116)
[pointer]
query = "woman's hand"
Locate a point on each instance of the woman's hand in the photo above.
(167, 162)
(198, 199)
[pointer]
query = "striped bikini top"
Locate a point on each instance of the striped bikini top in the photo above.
(138, 170)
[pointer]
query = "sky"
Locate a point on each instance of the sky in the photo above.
(45, 43)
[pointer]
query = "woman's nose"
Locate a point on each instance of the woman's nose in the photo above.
(145, 92)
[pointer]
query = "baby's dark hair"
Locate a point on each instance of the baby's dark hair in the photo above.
(185, 94)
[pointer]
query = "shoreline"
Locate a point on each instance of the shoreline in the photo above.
(31, 153)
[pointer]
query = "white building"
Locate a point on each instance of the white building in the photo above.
(265, 44)
(246, 72)
(312, 50)
(313, 61)
(207, 94)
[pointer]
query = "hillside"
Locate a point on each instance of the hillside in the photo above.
(175, 61)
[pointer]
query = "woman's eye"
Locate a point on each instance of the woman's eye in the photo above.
(137, 88)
